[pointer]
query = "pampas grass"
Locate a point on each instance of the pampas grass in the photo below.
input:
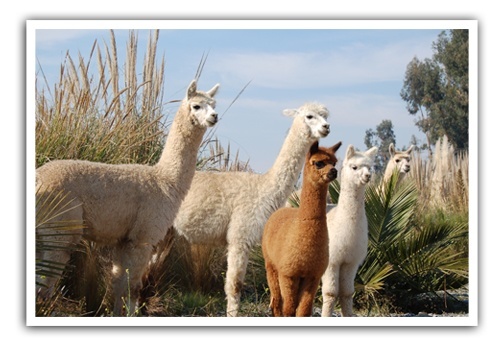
(443, 179)
(103, 119)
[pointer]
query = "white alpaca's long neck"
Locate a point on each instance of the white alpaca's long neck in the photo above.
(390, 170)
(178, 159)
(351, 197)
(284, 173)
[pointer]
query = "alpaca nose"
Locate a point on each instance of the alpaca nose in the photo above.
(326, 127)
(332, 174)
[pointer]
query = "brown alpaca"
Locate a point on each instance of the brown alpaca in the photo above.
(295, 240)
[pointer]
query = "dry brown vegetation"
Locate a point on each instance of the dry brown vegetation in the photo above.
(443, 179)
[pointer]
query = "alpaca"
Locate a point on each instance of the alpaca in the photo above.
(399, 161)
(348, 232)
(231, 208)
(129, 206)
(295, 240)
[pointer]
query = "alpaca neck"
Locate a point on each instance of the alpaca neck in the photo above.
(285, 171)
(313, 200)
(351, 196)
(388, 172)
(178, 160)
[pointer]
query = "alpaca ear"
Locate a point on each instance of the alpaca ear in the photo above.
(290, 112)
(336, 147)
(191, 91)
(214, 90)
(408, 151)
(372, 152)
(314, 148)
(350, 152)
(392, 150)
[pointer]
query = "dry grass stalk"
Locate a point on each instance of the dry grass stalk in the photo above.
(443, 180)
(82, 119)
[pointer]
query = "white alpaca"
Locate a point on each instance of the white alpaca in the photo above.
(129, 207)
(231, 208)
(347, 231)
(399, 161)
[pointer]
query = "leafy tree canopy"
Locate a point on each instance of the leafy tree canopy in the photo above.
(437, 90)
(382, 137)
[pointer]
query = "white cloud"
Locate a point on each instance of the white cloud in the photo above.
(346, 66)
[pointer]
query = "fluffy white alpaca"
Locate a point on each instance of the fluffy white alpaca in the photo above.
(231, 208)
(130, 207)
(347, 231)
(399, 161)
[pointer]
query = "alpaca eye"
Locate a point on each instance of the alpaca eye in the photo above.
(397, 160)
(319, 164)
(354, 167)
(309, 117)
(196, 107)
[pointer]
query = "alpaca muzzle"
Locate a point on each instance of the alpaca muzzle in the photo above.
(332, 174)
(325, 130)
(213, 119)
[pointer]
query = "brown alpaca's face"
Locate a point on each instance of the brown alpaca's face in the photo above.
(322, 164)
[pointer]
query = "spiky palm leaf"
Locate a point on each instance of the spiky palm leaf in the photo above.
(49, 207)
(408, 253)
(423, 258)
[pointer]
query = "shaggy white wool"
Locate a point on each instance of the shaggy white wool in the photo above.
(347, 231)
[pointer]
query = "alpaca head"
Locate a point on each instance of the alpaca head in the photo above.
(400, 160)
(320, 163)
(357, 166)
(312, 118)
(201, 105)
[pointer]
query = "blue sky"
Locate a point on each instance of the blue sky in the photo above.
(355, 68)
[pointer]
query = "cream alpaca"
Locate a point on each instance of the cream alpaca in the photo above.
(348, 232)
(399, 161)
(295, 240)
(130, 207)
(231, 208)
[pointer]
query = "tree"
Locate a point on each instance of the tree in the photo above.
(382, 137)
(437, 90)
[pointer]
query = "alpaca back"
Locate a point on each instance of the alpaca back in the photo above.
(228, 197)
(113, 197)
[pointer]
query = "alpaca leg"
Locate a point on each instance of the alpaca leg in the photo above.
(237, 260)
(329, 290)
(131, 261)
(307, 293)
(347, 275)
(289, 287)
(274, 288)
